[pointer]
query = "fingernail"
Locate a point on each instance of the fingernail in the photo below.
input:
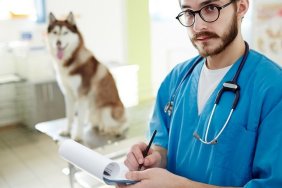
(140, 161)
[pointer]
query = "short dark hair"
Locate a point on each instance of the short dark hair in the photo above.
(179, 1)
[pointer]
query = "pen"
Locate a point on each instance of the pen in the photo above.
(145, 152)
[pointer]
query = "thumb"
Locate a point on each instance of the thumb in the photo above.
(137, 175)
(153, 160)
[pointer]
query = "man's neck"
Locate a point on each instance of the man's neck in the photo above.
(228, 56)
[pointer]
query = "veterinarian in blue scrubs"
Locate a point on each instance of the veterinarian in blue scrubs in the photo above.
(218, 116)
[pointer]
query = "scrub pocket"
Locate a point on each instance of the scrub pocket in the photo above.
(234, 153)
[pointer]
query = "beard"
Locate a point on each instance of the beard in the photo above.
(225, 40)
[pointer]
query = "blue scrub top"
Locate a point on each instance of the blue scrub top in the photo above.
(249, 151)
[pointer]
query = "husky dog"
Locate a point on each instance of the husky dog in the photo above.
(89, 88)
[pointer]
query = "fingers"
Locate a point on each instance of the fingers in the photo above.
(138, 152)
(137, 175)
(135, 156)
(153, 160)
(131, 161)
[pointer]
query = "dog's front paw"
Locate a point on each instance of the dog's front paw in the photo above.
(65, 133)
(76, 138)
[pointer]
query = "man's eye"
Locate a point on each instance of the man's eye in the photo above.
(188, 13)
(210, 8)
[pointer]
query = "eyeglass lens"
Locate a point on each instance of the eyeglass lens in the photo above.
(209, 13)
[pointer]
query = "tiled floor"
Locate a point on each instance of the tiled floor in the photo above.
(29, 159)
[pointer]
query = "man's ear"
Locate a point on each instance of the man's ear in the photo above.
(242, 7)
(52, 18)
(70, 19)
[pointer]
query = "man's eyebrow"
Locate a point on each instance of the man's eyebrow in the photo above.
(207, 2)
(201, 4)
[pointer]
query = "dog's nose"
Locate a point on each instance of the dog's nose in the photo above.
(59, 43)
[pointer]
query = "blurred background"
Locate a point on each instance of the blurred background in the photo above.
(140, 41)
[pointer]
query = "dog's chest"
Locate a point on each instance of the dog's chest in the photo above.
(69, 83)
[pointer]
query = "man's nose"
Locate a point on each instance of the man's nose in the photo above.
(199, 23)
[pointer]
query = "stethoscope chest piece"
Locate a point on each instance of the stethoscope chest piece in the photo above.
(168, 108)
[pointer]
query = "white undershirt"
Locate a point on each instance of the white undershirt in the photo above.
(209, 79)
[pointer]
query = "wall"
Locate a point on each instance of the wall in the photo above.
(267, 30)
(169, 41)
(139, 51)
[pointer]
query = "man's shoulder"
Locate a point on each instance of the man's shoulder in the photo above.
(183, 67)
(265, 72)
(262, 61)
(175, 76)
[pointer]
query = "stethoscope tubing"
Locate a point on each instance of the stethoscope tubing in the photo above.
(232, 86)
(169, 106)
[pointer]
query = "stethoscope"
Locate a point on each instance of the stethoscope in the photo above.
(231, 86)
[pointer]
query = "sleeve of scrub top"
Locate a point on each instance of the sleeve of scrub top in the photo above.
(267, 164)
(160, 119)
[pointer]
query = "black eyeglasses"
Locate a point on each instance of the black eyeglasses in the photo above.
(209, 13)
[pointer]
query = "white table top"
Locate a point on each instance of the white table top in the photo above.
(92, 138)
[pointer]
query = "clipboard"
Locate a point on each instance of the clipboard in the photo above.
(95, 164)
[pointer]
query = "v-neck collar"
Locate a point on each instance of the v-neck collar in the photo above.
(227, 77)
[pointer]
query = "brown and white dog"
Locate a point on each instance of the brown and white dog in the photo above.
(89, 88)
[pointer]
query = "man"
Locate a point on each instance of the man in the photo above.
(235, 143)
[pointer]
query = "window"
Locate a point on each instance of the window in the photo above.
(33, 10)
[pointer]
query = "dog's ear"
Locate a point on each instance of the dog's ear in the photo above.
(52, 18)
(70, 19)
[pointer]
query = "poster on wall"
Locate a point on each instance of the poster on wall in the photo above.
(268, 30)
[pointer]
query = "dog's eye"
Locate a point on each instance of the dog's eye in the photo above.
(55, 32)
(65, 32)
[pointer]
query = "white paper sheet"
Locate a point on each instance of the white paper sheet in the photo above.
(95, 164)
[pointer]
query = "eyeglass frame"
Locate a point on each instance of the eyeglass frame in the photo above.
(219, 8)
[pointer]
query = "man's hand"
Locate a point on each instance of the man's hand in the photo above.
(135, 157)
(159, 177)
(154, 178)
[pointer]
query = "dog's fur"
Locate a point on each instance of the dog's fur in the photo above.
(88, 86)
